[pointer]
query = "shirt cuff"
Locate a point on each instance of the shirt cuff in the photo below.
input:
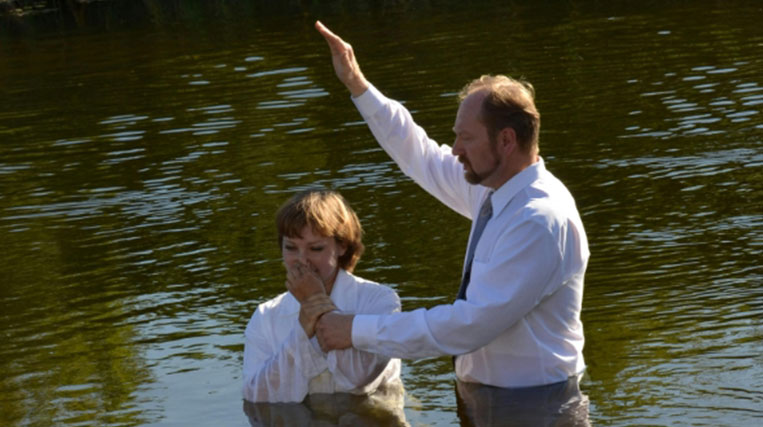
(364, 331)
(369, 102)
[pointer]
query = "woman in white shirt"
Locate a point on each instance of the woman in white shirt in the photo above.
(320, 239)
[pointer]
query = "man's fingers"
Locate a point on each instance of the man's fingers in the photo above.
(321, 333)
(326, 33)
(345, 65)
(321, 342)
(336, 44)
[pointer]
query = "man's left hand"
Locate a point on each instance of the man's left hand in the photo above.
(334, 331)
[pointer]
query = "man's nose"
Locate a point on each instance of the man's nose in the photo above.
(456, 149)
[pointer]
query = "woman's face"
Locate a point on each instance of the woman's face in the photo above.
(319, 252)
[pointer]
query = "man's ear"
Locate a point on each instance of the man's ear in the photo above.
(507, 140)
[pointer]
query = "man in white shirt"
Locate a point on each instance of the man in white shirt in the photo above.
(516, 322)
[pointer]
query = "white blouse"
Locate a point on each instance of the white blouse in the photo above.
(282, 365)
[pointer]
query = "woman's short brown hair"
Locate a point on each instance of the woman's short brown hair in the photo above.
(329, 215)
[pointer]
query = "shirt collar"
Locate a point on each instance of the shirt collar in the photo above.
(340, 282)
(503, 195)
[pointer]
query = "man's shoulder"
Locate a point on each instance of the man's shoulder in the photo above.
(549, 195)
(546, 204)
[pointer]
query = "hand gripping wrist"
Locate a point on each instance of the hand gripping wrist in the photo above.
(312, 309)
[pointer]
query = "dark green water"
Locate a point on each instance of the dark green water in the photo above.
(141, 164)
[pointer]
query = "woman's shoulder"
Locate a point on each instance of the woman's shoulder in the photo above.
(281, 305)
(366, 293)
(273, 311)
(363, 284)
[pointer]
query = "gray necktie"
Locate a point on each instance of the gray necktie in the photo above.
(486, 211)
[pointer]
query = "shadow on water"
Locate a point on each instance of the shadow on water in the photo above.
(144, 151)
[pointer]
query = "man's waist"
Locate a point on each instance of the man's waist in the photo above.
(511, 371)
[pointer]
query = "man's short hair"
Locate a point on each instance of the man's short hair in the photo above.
(508, 103)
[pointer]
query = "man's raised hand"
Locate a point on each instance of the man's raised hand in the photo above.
(345, 65)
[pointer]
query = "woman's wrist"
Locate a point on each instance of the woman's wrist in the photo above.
(311, 309)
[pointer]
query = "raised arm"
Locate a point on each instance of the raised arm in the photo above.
(345, 65)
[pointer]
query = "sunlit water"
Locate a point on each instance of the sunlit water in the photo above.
(140, 169)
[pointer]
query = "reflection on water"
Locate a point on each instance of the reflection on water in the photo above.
(560, 404)
(140, 171)
(382, 408)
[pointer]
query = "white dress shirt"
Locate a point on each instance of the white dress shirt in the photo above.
(281, 364)
(520, 323)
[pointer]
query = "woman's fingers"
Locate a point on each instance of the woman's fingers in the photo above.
(303, 281)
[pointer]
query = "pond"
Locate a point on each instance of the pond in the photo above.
(142, 161)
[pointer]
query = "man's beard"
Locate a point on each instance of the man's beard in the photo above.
(472, 176)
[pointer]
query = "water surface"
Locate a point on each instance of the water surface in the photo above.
(141, 164)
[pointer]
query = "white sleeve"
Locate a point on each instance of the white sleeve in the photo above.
(430, 165)
(278, 372)
(516, 283)
(362, 371)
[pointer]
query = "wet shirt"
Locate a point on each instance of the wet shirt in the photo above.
(281, 364)
(520, 323)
